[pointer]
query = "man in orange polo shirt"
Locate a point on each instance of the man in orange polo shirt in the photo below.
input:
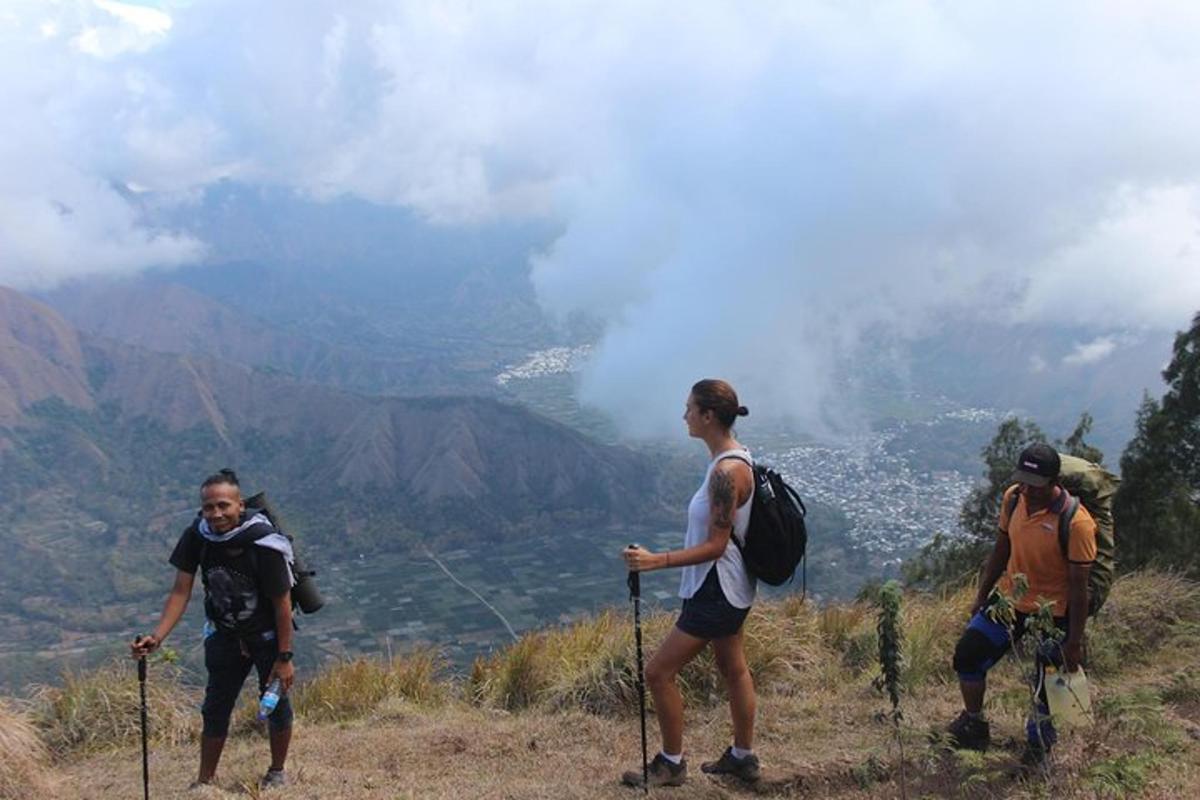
(1027, 543)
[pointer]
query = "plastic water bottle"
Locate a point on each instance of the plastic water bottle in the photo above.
(270, 699)
(1068, 697)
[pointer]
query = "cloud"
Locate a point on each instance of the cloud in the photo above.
(1136, 263)
(62, 213)
(132, 28)
(745, 190)
(1091, 352)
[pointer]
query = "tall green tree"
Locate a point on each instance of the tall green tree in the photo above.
(955, 558)
(1076, 446)
(1181, 405)
(981, 509)
(1157, 509)
(950, 559)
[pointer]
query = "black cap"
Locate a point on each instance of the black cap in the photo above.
(1038, 465)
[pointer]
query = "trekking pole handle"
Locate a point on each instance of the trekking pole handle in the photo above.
(635, 578)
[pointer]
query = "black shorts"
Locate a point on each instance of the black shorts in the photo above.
(708, 614)
(229, 660)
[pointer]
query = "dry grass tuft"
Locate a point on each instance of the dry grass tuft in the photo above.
(356, 688)
(591, 665)
(1148, 615)
(101, 709)
(24, 761)
(513, 678)
(839, 623)
(932, 625)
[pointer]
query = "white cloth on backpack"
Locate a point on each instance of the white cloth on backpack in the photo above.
(272, 541)
(738, 585)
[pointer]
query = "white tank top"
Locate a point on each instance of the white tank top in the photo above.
(737, 584)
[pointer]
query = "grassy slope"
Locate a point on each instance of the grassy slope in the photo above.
(525, 734)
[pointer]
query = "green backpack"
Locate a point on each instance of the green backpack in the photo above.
(1094, 486)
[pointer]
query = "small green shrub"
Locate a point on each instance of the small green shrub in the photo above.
(1184, 688)
(869, 771)
(977, 772)
(1139, 716)
(1121, 776)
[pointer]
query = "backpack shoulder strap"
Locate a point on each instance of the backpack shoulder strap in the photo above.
(1065, 517)
(1013, 499)
(740, 455)
(203, 554)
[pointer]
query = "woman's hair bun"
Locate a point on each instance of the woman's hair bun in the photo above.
(742, 411)
(228, 473)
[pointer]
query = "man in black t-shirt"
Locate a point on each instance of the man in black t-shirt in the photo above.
(246, 567)
(236, 579)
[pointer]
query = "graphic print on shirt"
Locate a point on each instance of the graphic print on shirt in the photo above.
(232, 598)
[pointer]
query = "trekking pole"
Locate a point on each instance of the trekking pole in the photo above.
(145, 745)
(635, 593)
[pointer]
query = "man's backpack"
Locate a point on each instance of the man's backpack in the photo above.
(1094, 486)
(776, 538)
(305, 594)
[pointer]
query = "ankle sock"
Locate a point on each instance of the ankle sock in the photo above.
(739, 753)
(674, 759)
(976, 715)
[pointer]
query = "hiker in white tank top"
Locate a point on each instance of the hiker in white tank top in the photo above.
(716, 590)
(737, 584)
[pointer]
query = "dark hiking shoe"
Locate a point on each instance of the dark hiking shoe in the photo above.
(273, 779)
(661, 772)
(745, 769)
(970, 733)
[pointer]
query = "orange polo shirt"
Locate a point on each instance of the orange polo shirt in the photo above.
(1036, 552)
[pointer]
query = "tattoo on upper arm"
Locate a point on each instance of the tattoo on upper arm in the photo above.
(721, 495)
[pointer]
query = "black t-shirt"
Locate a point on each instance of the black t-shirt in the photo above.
(238, 584)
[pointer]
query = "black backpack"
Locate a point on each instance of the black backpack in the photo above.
(776, 538)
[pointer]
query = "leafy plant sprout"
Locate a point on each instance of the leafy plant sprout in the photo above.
(891, 662)
(1002, 609)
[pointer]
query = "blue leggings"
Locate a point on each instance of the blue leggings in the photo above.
(985, 642)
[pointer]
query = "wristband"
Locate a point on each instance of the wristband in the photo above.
(284, 656)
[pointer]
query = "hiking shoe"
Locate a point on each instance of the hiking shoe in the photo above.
(745, 769)
(970, 733)
(661, 771)
(273, 779)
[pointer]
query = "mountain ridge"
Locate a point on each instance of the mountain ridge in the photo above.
(111, 467)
